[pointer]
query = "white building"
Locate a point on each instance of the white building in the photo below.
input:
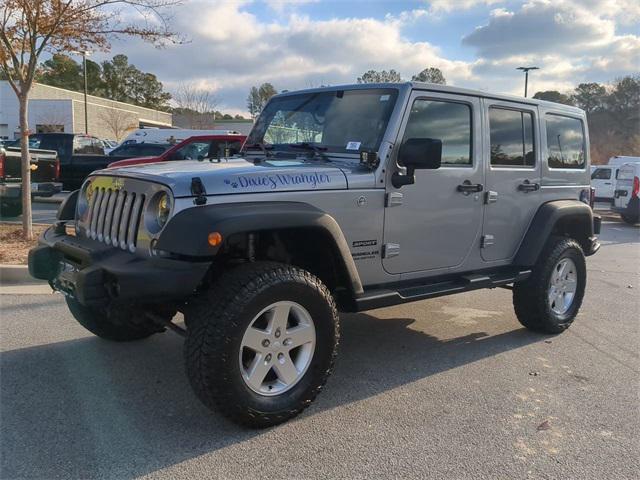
(60, 110)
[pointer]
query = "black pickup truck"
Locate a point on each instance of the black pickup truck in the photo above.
(45, 173)
(79, 155)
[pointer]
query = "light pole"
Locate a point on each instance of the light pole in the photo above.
(84, 74)
(86, 113)
(526, 76)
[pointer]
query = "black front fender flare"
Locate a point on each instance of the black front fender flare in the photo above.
(187, 232)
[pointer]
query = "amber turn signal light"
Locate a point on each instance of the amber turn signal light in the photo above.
(215, 239)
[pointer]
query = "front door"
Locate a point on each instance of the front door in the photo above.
(433, 224)
(512, 176)
(602, 180)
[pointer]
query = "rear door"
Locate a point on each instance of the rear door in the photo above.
(512, 176)
(624, 186)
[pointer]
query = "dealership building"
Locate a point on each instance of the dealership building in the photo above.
(53, 109)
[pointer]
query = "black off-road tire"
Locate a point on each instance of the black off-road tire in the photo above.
(116, 330)
(215, 327)
(10, 209)
(630, 219)
(530, 298)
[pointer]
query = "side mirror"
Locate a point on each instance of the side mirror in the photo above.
(417, 154)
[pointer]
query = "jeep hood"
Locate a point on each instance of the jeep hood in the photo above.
(238, 175)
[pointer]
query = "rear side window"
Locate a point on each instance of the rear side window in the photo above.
(511, 133)
(601, 174)
(82, 145)
(446, 121)
(565, 142)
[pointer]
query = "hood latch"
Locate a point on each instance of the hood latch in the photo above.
(198, 190)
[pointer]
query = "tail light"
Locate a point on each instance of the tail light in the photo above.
(592, 198)
(2, 160)
(636, 187)
(57, 170)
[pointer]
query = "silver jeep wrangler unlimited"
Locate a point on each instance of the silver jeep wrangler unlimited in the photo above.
(344, 199)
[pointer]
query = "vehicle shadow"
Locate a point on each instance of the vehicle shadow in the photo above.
(88, 408)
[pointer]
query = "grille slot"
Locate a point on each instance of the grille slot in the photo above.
(114, 217)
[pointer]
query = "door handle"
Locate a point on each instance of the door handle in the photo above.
(527, 186)
(468, 187)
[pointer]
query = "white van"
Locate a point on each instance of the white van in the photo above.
(168, 135)
(603, 179)
(619, 160)
(626, 201)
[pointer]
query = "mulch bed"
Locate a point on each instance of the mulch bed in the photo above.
(14, 249)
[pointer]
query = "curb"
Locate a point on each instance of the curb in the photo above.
(17, 275)
(55, 200)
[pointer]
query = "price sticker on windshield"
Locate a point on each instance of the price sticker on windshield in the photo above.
(353, 145)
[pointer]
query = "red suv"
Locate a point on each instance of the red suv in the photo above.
(193, 148)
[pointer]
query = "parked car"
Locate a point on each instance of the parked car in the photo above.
(346, 198)
(45, 175)
(626, 201)
(79, 155)
(108, 145)
(168, 135)
(140, 150)
(193, 148)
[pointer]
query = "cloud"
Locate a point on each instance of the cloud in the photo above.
(540, 27)
(570, 41)
(284, 6)
(231, 48)
(447, 6)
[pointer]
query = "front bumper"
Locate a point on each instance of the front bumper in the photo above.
(96, 274)
(14, 190)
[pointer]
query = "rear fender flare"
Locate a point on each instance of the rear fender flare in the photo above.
(544, 223)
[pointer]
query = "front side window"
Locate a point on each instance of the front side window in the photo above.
(345, 121)
(511, 133)
(601, 174)
(448, 122)
(565, 142)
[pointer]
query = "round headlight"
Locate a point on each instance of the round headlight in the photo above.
(158, 212)
(164, 209)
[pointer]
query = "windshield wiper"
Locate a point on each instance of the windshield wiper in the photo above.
(316, 149)
(263, 147)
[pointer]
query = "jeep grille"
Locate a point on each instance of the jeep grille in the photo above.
(114, 217)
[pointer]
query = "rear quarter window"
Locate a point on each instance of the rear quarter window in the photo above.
(565, 142)
(625, 174)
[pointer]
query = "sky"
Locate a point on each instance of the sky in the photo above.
(232, 45)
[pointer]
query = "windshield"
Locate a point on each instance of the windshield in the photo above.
(345, 121)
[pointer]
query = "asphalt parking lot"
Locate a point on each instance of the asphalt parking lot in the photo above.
(452, 387)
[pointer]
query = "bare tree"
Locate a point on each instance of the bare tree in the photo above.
(29, 28)
(196, 105)
(118, 122)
